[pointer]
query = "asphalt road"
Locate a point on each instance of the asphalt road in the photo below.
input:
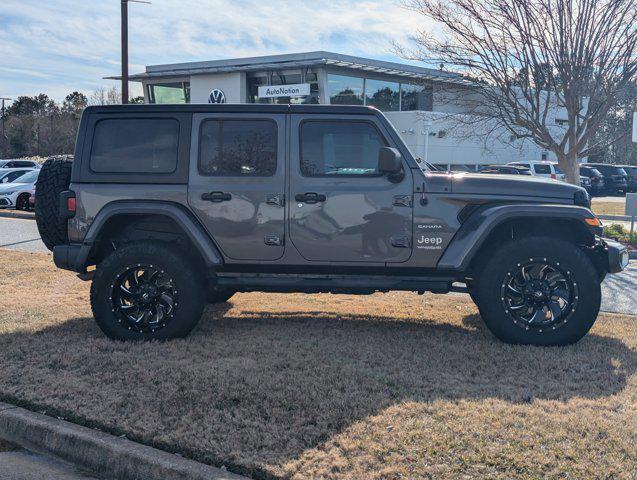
(23, 465)
(619, 292)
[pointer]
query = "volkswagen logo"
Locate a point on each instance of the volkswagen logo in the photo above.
(217, 96)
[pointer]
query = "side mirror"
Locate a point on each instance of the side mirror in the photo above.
(390, 162)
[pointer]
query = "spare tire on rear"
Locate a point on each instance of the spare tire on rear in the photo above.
(54, 178)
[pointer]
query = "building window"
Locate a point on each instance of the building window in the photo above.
(339, 148)
(178, 92)
(238, 148)
(344, 90)
(416, 97)
(135, 145)
(385, 96)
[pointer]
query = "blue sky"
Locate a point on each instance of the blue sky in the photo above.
(57, 46)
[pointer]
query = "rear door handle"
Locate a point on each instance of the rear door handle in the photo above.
(216, 197)
(310, 197)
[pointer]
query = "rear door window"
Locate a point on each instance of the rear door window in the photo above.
(236, 148)
(135, 145)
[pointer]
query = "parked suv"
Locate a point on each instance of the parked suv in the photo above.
(631, 172)
(179, 205)
(615, 177)
(597, 184)
(543, 169)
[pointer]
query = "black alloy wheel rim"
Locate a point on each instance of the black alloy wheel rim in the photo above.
(144, 298)
(539, 295)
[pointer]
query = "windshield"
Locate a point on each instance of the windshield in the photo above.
(29, 177)
(558, 169)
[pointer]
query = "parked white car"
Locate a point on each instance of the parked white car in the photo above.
(10, 175)
(17, 163)
(16, 194)
(543, 169)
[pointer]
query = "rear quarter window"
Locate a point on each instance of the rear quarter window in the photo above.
(542, 169)
(135, 145)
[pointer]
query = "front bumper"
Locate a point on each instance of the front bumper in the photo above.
(5, 202)
(616, 253)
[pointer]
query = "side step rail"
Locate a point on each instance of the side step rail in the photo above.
(355, 284)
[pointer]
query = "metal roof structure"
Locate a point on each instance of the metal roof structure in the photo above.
(297, 61)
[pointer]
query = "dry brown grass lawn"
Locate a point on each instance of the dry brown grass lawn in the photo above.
(321, 386)
(609, 208)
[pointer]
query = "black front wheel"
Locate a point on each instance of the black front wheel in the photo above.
(146, 291)
(539, 291)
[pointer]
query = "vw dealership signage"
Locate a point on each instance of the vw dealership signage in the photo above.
(217, 96)
(273, 91)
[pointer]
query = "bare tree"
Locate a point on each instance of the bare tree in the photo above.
(531, 57)
(105, 96)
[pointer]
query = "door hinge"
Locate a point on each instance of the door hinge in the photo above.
(400, 241)
(402, 200)
(273, 240)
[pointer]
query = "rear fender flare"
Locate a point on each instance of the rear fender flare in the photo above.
(184, 219)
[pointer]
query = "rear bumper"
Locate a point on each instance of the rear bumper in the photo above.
(617, 255)
(71, 257)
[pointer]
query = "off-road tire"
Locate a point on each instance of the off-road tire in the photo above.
(188, 278)
(54, 178)
(219, 296)
(570, 258)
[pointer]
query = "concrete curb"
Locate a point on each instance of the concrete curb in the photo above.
(17, 214)
(99, 452)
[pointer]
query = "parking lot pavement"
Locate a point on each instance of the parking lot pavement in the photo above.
(615, 199)
(23, 465)
(20, 234)
(619, 292)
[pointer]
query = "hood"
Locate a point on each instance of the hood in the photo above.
(512, 185)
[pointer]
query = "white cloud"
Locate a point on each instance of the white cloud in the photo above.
(72, 44)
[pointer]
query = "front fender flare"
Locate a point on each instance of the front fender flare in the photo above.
(475, 230)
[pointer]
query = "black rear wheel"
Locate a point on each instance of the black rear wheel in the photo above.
(147, 291)
(22, 203)
(539, 291)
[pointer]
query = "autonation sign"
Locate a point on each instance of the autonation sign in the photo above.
(273, 91)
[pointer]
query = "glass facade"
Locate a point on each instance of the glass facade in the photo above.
(255, 80)
(344, 90)
(385, 96)
(177, 92)
(416, 97)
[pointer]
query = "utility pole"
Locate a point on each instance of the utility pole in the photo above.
(2, 118)
(124, 31)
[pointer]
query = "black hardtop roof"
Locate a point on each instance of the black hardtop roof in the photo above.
(233, 108)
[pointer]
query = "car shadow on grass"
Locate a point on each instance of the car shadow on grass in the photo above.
(253, 388)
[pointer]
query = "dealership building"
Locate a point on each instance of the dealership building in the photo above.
(431, 109)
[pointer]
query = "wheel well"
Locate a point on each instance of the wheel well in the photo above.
(570, 230)
(127, 228)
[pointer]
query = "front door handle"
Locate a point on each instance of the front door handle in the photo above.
(310, 197)
(216, 197)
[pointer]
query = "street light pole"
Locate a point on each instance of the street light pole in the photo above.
(124, 31)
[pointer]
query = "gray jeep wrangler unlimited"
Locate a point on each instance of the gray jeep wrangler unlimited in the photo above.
(166, 208)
